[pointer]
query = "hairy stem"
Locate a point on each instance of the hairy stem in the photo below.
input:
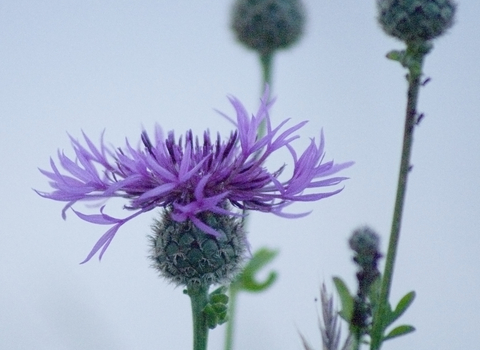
(415, 56)
(199, 299)
(232, 298)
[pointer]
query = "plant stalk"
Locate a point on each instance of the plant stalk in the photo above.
(199, 299)
(232, 299)
(266, 61)
(415, 73)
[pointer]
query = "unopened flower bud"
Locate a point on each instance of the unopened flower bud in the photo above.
(416, 20)
(364, 240)
(187, 256)
(365, 243)
(268, 25)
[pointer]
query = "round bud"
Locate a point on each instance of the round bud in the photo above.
(416, 20)
(187, 256)
(268, 25)
(364, 240)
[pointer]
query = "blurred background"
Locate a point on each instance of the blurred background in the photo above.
(68, 66)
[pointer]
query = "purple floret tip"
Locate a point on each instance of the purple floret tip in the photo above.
(190, 175)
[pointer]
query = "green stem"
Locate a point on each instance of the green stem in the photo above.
(266, 60)
(415, 72)
(232, 298)
(199, 299)
(356, 343)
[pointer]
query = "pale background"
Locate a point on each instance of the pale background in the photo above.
(120, 65)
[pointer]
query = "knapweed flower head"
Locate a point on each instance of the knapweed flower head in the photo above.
(192, 176)
(268, 25)
(416, 20)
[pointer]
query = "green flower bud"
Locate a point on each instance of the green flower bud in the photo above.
(268, 25)
(364, 241)
(187, 256)
(416, 20)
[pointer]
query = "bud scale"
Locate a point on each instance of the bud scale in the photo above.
(186, 255)
(416, 20)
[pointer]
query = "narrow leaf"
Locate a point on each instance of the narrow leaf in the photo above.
(402, 306)
(396, 55)
(247, 281)
(374, 294)
(398, 331)
(346, 299)
(305, 343)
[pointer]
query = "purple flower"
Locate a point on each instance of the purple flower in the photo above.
(190, 176)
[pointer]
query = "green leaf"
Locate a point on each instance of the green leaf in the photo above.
(402, 306)
(247, 281)
(374, 293)
(346, 299)
(211, 316)
(219, 308)
(216, 309)
(222, 319)
(398, 331)
(395, 55)
(219, 290)
(219, 298)
(215, 314)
